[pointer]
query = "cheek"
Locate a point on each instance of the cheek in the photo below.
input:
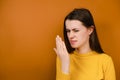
(83, 36)
(67, 35)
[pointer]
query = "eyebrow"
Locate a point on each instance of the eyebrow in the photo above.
(72, 29)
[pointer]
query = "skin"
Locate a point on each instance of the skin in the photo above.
(78, 36)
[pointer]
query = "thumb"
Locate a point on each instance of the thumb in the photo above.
(56, 51)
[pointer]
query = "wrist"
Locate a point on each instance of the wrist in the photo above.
(65, 66)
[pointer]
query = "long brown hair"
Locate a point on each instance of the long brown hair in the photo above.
(84, 16)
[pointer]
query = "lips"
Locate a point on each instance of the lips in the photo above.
(73, 41)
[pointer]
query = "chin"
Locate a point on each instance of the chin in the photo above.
(74, 46)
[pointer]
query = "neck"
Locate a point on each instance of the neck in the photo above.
(84, 50)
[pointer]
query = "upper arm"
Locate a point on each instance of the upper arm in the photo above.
(108, 68)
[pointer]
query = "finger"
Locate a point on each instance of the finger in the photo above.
(57, 43)
(56, 51)
(60, 41)
(64, 46)
(61, 44)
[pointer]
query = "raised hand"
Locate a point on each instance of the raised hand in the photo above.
(62, 53)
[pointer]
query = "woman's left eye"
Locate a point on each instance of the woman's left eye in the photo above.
(76, 30)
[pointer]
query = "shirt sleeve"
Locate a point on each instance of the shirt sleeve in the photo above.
(59, 74)
(108, 69)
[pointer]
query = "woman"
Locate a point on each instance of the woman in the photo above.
(81, 56)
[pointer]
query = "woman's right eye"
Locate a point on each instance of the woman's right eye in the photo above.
(67, 30)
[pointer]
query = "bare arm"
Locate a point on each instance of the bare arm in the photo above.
(63, 55)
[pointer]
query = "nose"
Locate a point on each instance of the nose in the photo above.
(71, 35)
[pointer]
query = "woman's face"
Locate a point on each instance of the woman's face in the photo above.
(78, 34)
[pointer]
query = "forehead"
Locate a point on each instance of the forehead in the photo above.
(70, 24)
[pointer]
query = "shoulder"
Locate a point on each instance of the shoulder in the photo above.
(105, 59)
(105, 56)
(107, 63)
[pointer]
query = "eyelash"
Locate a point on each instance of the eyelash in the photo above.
(76, 30)
(67, 30)
(73, 30)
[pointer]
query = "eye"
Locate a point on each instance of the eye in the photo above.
(67, 30)
(76, 30)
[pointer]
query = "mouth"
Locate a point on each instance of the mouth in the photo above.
(73, 41)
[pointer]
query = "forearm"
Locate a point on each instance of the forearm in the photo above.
(65, 67)
(62, 70)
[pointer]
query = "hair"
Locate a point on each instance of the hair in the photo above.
(83, 15)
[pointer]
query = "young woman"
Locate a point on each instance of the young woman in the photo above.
(81, 57)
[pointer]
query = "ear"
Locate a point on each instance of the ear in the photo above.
(90, 30)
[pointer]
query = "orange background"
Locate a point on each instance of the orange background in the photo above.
(28, 29)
